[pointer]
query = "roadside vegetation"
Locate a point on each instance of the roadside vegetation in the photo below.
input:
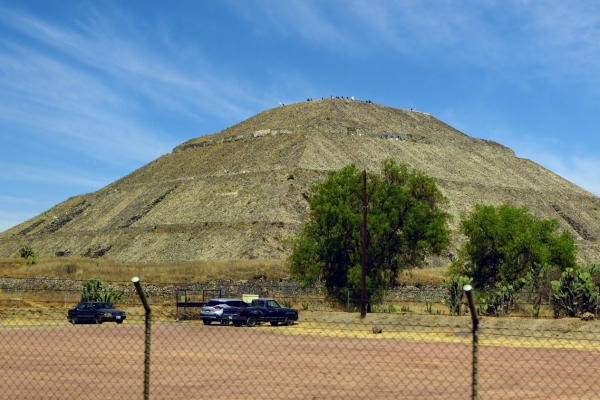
(508, 251)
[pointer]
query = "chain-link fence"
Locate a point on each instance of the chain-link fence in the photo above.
(325, 354)
(185, 299)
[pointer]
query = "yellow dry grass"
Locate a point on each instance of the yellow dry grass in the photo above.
(424, 276)
(439, 336)
(107, 270)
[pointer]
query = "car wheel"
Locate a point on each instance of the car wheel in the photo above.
(206, 321)
(237, 324)
(274, 323)
(119, 321)
(73, 320)
(224, 322)
(251, 321)
(288, 321)
(98, 320)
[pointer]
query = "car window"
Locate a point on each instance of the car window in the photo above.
(237, 303)
(272, 304)
(213, 303)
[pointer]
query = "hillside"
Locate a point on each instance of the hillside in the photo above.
(236, 193)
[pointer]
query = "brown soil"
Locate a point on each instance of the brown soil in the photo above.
(324, 356)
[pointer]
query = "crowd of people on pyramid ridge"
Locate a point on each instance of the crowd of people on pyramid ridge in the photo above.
(331, 96)
(351, 98)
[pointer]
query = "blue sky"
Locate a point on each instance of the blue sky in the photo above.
(92, 90)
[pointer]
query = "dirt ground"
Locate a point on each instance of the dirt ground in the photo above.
(326, 355)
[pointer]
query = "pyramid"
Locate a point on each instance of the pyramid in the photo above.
(237, 193)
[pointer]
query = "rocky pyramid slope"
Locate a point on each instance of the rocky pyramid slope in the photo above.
(237, 193)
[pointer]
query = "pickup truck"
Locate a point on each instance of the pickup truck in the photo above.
(261, 310)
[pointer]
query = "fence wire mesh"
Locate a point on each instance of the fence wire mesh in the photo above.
(325, 355)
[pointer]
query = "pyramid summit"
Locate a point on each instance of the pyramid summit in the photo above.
(237, 193)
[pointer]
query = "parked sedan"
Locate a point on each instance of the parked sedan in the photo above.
(95, 312)
(213, 309)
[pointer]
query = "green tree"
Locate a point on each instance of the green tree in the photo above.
(508, 248)
(406, 223)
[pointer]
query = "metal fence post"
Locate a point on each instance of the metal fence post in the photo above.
(138, 287)
(474, 388)
(348, 302)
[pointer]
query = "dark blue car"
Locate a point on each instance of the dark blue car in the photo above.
(95, 312)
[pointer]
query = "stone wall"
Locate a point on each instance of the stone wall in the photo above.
(286, 288)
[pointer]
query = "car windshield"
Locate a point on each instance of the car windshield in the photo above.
(212, 303)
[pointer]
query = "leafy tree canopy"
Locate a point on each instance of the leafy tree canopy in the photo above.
(507, 245)
(405, 223)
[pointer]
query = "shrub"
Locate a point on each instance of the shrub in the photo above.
(111, 296)
(70, 268)
(94, 290)
(574, 293)
(429, 307)
(454, 285)
(506, 242)
(29, 254)
(26, 252)
(498, 301)
(91, 289)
